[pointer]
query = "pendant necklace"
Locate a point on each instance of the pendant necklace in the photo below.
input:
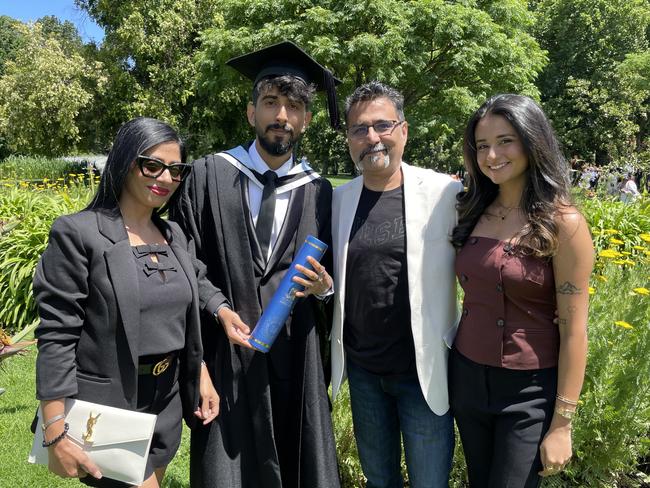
(507, 209)
(504, 215)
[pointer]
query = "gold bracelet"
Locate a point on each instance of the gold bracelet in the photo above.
(567, 413)
(566, 400)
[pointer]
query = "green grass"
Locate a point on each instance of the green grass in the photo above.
(339, 179)
(17, 408)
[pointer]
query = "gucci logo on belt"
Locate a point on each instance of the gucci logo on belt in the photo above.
(161, 366)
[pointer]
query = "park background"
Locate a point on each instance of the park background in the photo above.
(586, 61)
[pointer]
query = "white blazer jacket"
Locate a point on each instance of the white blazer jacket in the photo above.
(430, 215)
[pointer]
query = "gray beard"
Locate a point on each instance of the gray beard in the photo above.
(373, 159)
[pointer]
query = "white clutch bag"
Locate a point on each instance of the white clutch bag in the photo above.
(117, 440)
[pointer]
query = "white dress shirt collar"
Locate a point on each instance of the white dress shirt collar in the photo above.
(260, 165)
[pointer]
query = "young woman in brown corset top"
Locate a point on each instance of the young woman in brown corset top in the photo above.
(524, 252)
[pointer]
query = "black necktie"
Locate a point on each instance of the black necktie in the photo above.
(267, 212)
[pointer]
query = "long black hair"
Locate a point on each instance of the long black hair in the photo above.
(135, 137)
(547, 186)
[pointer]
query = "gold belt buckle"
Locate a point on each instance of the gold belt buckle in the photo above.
(161, 366)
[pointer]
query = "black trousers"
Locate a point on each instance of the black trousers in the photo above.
(502, 416)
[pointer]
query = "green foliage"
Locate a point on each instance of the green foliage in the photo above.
(65, 32)
(42, 92)
(148, 51)
(610, 219)
(26, 215)
(35, 168)
(597, 113)
(11, 40)
(446, 57)
(346, 447)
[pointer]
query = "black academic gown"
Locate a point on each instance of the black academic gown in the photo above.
(274, 429)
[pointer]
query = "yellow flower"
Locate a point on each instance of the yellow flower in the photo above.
(610, 231)
(645, 237)
(641, 291)
(626, 253)
(602, 278)
(622, 323)
(623, 262)
(592, 290)
(638, 248)
(616, 241)
(609, 253)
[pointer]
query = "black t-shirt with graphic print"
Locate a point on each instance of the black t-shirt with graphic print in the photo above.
(377, 330)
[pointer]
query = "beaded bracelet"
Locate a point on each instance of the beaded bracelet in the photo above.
(57, 438)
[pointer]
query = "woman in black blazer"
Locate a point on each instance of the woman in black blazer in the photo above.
(117, 295)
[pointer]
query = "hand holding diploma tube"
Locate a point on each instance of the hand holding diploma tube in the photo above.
(317, 282)
(305, 276)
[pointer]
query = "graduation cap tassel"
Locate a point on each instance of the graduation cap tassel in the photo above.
(332, 106)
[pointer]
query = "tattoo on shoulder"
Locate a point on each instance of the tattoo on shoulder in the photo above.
(563, 321)
(568, 288)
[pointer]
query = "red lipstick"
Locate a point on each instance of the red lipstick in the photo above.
(157, 190)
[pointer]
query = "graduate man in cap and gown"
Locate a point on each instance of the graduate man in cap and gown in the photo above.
(248, 211)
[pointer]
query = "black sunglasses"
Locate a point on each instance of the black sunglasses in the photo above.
(153, 168)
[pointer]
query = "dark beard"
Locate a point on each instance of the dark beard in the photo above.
(273, 146)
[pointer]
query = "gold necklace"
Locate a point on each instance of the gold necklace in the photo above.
(504, 215)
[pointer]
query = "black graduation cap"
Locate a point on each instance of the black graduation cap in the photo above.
(285, 58)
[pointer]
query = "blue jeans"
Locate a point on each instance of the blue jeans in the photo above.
(384, 407)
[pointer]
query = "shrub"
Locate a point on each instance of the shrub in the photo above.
(35, 168)
(26, 214)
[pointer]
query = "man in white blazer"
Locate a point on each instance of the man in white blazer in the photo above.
(395, 304)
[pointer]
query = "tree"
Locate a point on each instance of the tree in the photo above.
(148, 52)
(42, 93)
(581, 87)
(65, 32)
(446, 57)
(10, 40)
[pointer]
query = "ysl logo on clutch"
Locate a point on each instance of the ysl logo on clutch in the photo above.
(90, 425)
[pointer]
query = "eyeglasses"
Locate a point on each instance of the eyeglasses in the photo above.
(382, 128)
(153, 168)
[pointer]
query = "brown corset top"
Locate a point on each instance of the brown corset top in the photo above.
(509, 306)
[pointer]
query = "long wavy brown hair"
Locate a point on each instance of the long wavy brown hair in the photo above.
(547, 189)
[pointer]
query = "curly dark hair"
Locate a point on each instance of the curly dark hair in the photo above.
(294, 88)
(547, 188)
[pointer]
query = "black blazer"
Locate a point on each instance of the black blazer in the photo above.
(86, 290)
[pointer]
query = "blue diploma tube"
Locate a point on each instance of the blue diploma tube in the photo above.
(276, 314)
